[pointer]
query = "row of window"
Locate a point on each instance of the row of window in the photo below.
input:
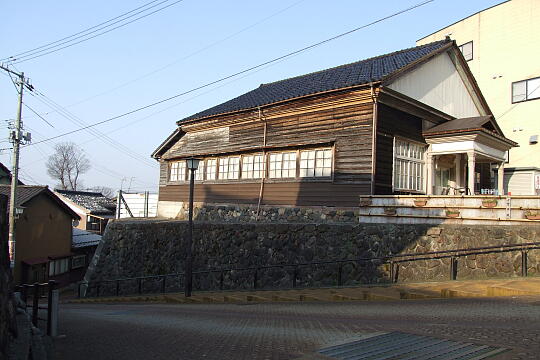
(287, 164)
(61, 266)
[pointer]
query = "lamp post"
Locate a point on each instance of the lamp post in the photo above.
(192, 165)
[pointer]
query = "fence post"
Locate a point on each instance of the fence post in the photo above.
(295, 275)
(255, 278)
(340, 275)
(24, 293)
(221, 280)
(453, 268)
(163, 283)
(392, 276)
(524, 264)
(52, 283)
(35, 305)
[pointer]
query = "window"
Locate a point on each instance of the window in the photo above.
(408, 166)
(57, 267)
(199, 173)
(78, 261)
(178, 171)
(526, 90)
(467, 50)
(229, 168)
(252, 166)
(282, 165)
(211, 169)
(316, 163)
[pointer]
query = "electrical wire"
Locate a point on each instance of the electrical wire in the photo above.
(94, 132)
(236, 74)
(44, 50)
(41, 117)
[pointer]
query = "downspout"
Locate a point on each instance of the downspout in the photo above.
(374, 138)
(261, 189)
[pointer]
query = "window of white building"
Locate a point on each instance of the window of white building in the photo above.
(316, 163)
(467, 50)
(526, 90)
(408, 166)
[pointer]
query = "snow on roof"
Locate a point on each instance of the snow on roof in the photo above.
(82, 238)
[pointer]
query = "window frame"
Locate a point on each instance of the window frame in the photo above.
(170, 169)
(409, 159)
(262, 163)
(316, 150)
(77, 258)
(282, 153)
(58, 266)
(460, 47)
(526, 81)
(238, 170)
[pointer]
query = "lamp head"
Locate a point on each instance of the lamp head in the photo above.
(192, 163)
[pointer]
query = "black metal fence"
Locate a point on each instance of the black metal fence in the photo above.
(37, 291)
(294, 275)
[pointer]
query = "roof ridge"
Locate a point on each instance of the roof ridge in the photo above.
(357, 62)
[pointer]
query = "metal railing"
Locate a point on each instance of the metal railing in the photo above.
(392, 261)
(52, 303)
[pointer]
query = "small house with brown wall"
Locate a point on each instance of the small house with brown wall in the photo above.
(410, 122)
(43, 235)
(94, 208)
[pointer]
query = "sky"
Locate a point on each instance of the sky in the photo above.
(188, 44)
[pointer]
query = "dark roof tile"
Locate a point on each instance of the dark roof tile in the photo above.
(357, 73)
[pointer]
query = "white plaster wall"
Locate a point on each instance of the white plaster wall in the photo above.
(438, 84)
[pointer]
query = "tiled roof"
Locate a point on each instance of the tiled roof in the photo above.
(24, 192)
(460, 124)
(94, 202)
(344, 76)
(82, 238)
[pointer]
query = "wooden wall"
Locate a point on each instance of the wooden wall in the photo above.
(392, 122)
(343, 120)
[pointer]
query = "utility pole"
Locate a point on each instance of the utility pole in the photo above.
(16, 137)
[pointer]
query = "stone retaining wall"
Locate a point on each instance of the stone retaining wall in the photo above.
(131, 248)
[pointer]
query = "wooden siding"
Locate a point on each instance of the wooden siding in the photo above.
(283, 193)
(343, 120)
(392, 122)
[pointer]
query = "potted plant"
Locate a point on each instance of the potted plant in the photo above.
(489, 202)
(390, 211)
(420, 202)
(532, 214)
(452, 213)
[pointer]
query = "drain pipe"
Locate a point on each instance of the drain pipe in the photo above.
(374, 139)
(261, 189)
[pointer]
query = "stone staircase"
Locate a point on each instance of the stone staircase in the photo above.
(430, 290)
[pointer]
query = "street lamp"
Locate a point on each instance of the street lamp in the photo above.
(192, 165)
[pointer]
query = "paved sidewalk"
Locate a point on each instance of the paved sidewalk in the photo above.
(287, 330)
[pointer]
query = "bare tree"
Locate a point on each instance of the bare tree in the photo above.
(66, 165)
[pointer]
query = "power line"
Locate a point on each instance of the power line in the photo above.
(94, 132)
(44, 50)
(196, 52)
(41, 117)
(309, 47)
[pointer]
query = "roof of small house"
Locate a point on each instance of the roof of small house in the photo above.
(93, 202)
(82, 238)
(484, 124)
(25, 193)
(357, 73)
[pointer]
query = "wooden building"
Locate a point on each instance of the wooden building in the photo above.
(325, 138)
(43, 235)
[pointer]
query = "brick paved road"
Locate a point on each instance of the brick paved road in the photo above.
(287, 330)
